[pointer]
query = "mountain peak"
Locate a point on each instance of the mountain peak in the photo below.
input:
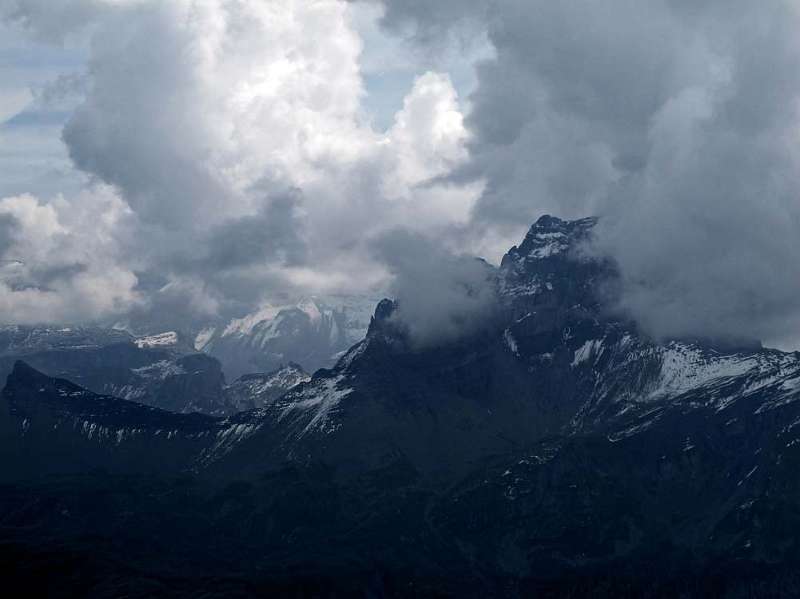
(548, 221)
(23, 373)
(383, 313)
(550, 237)
(550, 272)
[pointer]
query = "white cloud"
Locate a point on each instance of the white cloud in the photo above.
(69, 264)
(674, 120)
(206, 116)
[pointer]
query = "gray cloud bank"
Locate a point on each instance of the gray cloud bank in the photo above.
(233, 136)
(675, 120)
(230, 159)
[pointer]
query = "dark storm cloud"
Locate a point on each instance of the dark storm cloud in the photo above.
(675, 120)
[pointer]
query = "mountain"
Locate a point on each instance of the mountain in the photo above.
(313, 333)
(554, 451)
(258, 390)
(552, 362)
(160, 370)
(50, 425)
(24, 340)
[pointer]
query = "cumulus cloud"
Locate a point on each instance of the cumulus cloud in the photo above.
(676, 121)
(235, 133)
(61, 261)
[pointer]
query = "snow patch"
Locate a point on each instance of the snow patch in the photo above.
(511, 343)
(349, 356)
(311, 309)
(591, 349)
(244, 326)
(549, 244)
(167, 339)
(317, 402)
(203, 337)
(228, 438)
(159, 370)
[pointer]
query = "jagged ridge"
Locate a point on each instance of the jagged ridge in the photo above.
(556, 442)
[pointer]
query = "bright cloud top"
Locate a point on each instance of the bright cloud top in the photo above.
(234, 132)
(237, 140)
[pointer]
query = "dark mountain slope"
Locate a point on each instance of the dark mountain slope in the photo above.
(50, 425)
(555, 452)
(161, 371)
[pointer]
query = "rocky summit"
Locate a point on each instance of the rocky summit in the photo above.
(555, 450)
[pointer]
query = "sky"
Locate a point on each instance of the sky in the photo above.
(189, 160)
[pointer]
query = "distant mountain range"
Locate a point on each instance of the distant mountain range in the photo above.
(555, 451)
(313, 332)
(162, 370)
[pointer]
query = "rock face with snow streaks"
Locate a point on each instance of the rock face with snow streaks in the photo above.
(553, 363)
(259, 390)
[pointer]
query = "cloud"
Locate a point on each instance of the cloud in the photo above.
(68, 267)
(441, 296)
(235, 137)
(269, 236)
(8, 223)
(235, 133)
(676, 121)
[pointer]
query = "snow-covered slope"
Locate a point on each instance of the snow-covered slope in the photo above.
(555, 290)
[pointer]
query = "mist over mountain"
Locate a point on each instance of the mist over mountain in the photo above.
(214, 177)
(400, 298)
(557, 449)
